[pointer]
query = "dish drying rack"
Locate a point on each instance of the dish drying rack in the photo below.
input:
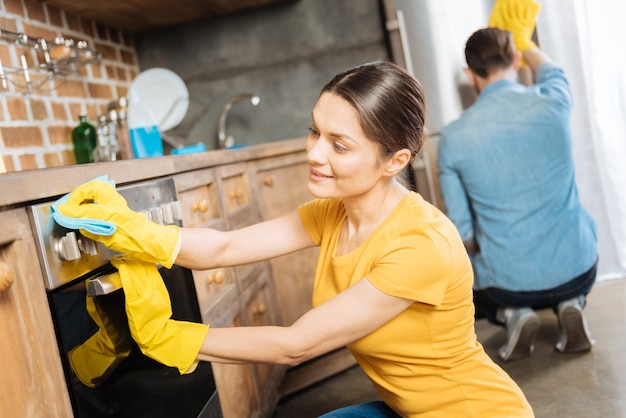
(53, 61)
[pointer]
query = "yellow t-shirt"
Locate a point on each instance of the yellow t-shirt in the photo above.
(425, 362)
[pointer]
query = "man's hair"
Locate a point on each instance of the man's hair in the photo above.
(489, 50)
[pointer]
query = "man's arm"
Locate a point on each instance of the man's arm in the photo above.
(534, 57)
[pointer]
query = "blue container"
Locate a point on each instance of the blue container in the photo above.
(146, 141)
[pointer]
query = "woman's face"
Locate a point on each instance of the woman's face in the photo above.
(343, 161)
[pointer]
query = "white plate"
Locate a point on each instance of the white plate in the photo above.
(162, 94)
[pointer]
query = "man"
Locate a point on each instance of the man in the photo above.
(507, 178)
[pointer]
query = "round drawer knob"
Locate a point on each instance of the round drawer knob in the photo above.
(259, 309)
(219, 276)
(236, 193)
(268, 181)
(201, 206)
(7, 276)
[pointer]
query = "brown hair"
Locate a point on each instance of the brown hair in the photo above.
(389, 103)
(489, 50)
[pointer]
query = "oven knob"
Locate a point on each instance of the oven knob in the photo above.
(176, 210)
(87, 245)
(168, 214)
(156, 215)
(67, 248)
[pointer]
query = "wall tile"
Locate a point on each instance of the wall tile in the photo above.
(36, 31)
(54, 16)
(14, 6)
(88, 27)
(23, 136)
(68, 157)
(128, 57)
(34, 10)
(8, 162)
(28, 162)
(72, 88)
(52, 159)
(58, 111)
(101, 91)
(8, 23)
(108, 52)
(73, 22)
(38, 120)
(75, 110)
(60, 134)
(38, 109)
(16, 108)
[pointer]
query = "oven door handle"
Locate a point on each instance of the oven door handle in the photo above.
(104, 285)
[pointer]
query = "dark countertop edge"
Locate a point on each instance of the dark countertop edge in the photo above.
(17, 188)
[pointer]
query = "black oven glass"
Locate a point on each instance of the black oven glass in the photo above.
(139, 387)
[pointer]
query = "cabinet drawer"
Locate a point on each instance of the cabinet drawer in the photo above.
(199, 206)
(235, 188)
(212, 285)
(261, 310)
(282, 184)
(249, 273)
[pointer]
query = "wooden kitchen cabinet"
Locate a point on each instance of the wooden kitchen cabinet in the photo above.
(281, 185)
(221, 197)
(32, 383)
(198, 197)
(237, 386)
(260, 310)
(218, 189)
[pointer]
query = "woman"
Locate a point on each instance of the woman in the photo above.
(393, 281)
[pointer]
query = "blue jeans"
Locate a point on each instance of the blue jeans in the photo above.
(488, 301)
(375, 409)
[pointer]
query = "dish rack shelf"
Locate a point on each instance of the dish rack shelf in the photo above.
(47, 64)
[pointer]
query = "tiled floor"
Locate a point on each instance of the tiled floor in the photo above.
(587, 385)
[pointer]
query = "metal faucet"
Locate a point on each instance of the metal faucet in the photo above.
(228, 141)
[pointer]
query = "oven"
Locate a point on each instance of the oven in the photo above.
(76, 269)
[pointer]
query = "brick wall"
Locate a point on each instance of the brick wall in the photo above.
(35, 128)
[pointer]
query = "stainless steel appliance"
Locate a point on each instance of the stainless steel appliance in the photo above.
(139, 387)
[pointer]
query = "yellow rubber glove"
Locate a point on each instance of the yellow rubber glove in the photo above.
(135, 235)
(518, 17)
(148, 308)
(94, 360)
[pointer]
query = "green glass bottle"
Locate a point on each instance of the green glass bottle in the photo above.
(84, 140)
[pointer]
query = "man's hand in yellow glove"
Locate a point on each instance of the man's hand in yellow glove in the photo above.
(135, 235)
(518, 17)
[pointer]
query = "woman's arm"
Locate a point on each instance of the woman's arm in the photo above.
(352, 314)
(203, 248)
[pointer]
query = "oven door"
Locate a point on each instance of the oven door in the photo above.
(139, 386)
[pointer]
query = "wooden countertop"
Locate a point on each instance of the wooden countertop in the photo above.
(18, 188)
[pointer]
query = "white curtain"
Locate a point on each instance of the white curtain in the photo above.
(588, 38)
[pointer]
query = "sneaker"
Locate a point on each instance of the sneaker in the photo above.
(575, 335)
(521, 327)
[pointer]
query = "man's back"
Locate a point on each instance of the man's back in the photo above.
(507, 178)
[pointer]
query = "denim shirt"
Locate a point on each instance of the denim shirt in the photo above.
(506, 174)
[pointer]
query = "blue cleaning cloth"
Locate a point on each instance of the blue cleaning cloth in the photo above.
(95, 226)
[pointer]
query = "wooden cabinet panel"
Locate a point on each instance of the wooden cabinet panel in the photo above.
(282, 187)
(237, 386)
(211, 287)
(32, 383)
(198, 196)
(260, 309)
(282, 184)
(143, 15)
(235, 192)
